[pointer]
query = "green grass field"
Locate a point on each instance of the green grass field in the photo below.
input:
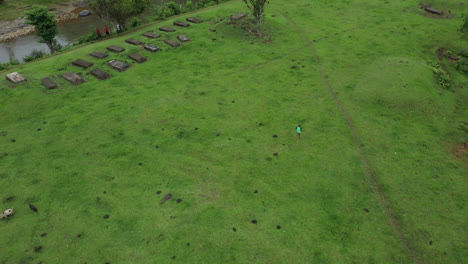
(374, 178)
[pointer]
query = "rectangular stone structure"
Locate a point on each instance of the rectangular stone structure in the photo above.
(100, 74)
(433, 11)
(151, 35)
(115, 49)
(239, 16)
(181, 24)
(82, 63)
(152, 48)
(134, 41)
(15, 77)
(194, 20)
(172, 43)
(167, 29)
(73, 78)
(99, 55)
(118, 65)
(137, 57)
(183, 38)
(48, 83)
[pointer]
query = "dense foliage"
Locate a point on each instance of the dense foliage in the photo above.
(45, 24)
(118, 10)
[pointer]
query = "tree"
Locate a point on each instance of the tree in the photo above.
(118, 10)
(45, 24)
(257, 7)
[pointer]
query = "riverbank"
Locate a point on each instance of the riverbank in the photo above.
(10, 30)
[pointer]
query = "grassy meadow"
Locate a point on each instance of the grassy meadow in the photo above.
(374, 179)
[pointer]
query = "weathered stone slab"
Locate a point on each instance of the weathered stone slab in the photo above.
(100, 74)
(181, 24)
(116, 49)
(194, 20)
(172, 43)
(137, 57)
(152, 48)
(151, 35)
(167, 29)
(48, 83)
(99, 55)
(73, 78)
(85, 13)
(433, 10)
(134, 41)
(183, 38)
(15, 77)
(118, 65)
(82, 63)
(239, 16)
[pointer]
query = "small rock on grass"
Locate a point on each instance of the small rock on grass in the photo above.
(278, 227)
(254, 221)
(106, 216)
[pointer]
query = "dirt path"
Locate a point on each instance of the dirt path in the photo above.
(365, 162)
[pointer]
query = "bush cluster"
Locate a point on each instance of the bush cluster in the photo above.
(441, 77)
(34, 55)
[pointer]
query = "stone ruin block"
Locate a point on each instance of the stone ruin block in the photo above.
(134, 41)
(194, 20)
(100, 74)
(82, 63)
(239, 16)
(48, 83)
(118, 65)
(183, 38)
(172, 43)
(15, 77)
(181, 24)
(152, 48)
(167, 29)
(433, 10)
(137, 57)
(116, 49)
(73, 78)
(151, 35)
(99, 55)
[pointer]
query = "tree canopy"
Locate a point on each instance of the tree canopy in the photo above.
(257, 7)
(45, 24)
(118, 10)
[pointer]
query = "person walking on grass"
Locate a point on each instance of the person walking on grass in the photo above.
(99, 33)
(299, 130)
(107, 31)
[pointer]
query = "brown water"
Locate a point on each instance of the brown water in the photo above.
(69, 32)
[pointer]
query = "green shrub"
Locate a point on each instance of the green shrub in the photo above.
(14, 61)
(34, 55)
(4, 66)
(135, 22)
(441, 77)
(464, 27)
(189, 5)
(462, 66)
(87, 38)
(173, 8)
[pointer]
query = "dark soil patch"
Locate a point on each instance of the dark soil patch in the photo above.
(157, 146)
(38, 249)
(106, 216)
(13, 140)
(229, 138)
(104, 192)
(278, 227)
(196, 128)
(275, 136)
(79, 235)
(254, 221)
(179, 200)
(121, 133)
(167, 197)
(173, 257)
(217, 135)
(140, 163)
(39, 129)
(367, 210)
(430, 242)
(233, 101)
(256, 191)
(158, 192)
(43, 234)
(9, 199)
(162, 129)
(234, 229)
(275, 154)
(261, 124)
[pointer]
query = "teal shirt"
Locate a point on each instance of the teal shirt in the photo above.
(299, 129)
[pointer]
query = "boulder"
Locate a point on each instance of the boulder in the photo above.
(194, 20)
(48, 83)
(239, 16)
(167, 29)
(152, 48)
(82, 63)
(151, 35)
(99, 55)
(181, 24)
(118, 65)
(172, 43)
(73, 78)
(100, 74)
(116, 49)
(15, 77)
(85, 13)
(134, 41)
(137, 57)
(183, 38)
